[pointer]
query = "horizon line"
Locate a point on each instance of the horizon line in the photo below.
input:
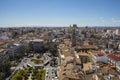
(53, 26)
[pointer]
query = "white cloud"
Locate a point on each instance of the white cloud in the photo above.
(115, 20)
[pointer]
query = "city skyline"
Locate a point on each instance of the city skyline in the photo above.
(15, 13)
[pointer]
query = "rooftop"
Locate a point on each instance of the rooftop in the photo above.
(114, 56)
(87, 47)
(87, 66)
(1, 50)
(69, 58)
(37, 40)
(68, 71)
(99, 54)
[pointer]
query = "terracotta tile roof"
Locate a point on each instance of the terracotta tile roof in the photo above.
(2, 42)
(115, 57)
(78, 60)
(69, 58)
(100, 54)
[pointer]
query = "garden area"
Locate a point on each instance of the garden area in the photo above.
(30, 74)
(38, 59)
(38, 74)
(21, 75)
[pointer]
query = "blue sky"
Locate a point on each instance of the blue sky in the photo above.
(59, 12)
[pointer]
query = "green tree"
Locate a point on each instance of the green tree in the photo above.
(2, 76)
(22, 72)
(18, 77)
(45, 47)
(5, 68)
(51, 47)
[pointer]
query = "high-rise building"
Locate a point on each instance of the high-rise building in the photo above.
(117, 31)
(73, 38)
